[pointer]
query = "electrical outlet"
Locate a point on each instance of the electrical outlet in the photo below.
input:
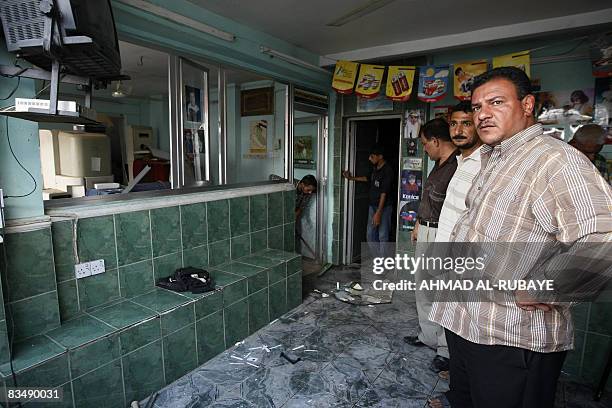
(82, 270)
(97, 267)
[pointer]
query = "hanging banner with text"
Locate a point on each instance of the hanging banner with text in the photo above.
(433, 83)
(370, 79)
(464, 76)
(344, 76)
(521, 60)
(399, 83)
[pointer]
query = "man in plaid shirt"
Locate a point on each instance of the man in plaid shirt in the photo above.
(532, 189)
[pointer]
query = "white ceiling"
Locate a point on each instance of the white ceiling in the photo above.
(303, 23)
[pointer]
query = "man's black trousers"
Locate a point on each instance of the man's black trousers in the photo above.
(484, 376)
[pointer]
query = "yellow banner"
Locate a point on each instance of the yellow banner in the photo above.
(464, 76)
(344, 76)
(370, 78)
(399, 83)
(520, 60)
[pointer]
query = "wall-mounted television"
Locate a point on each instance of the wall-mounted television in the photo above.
(84, 38)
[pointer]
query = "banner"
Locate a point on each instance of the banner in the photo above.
(344, 76)
(520, 60)
(464, 76)
(433, 83)
(399, 83)
(370, 79)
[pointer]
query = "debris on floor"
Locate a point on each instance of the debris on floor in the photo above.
(361, 294)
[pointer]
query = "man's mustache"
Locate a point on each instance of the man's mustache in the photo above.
(459, 137)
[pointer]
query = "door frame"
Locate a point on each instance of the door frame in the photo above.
(348, 193)
(320, 118)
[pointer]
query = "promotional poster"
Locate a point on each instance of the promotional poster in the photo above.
(399, 83)
(521, 60)
(344, 76)
(433, 83)
(369, 81)
(464, 76)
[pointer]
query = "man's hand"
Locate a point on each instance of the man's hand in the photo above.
(346, 174)
(526, 302)
(376, 218)
(415, 232)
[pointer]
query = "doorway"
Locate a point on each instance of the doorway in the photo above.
(310, 158)
(363, 135)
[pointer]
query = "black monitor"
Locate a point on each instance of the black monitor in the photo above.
(84, 38)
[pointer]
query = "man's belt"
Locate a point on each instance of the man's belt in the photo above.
(430, 224)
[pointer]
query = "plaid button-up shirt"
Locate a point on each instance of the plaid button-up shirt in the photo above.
(532, 188)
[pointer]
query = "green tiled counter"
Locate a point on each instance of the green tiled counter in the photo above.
(127, 349)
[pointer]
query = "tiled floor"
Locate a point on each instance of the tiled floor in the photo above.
(351, 357)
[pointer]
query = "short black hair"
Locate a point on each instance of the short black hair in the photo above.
(377, 150)
(437, 128)
(463, 106)
(459, 69)
(309, 180)
(517, 76)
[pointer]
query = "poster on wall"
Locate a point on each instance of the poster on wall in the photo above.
(433, 83)
(193, 107)
(258, 137)
(603, 102)
(573, 106)
(303, 155)
(378, 104)
(601, 55)
(344, 76)
(521, 60)
(410, 191)
(399, 83)
(464, 76)
(442, 112)
(413, 119)
(369, 81)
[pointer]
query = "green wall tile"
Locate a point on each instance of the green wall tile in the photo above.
(258, 281)
(289, 237)
(63, 251)
(136, 279)
(219, 252)
(218, 220)
(29, 275)
(239, 216)
(143, 372)
(102, 388)
(259, 241)
(289, 205)
(600, 318)
(259, 314)
(210, 336)
(196, 257)
(209, 303)
(32, 351)
(275, 237)
(5, 354)
(277, 273)
(259, 212)
(96, 240)
(35, 315)
(93, 355)
(122, 314)
(177, 318)
(79, 331)
(278, 299)
(161, 300)
(294, 265)
(139, 335)
(68, 299)
(236, 319)
(193, 224)
(133, 237)
(294, 290)
(275, 209)
(51, 373)
(98, 289)
(180, 355)
(234, 292)
(240, 246)
(165, 230)
(166, 265)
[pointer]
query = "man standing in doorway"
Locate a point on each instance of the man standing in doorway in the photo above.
(436, 140)
(532, 188)
(464, 136)
(380, 209)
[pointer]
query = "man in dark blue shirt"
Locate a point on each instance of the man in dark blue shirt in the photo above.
(380, 211)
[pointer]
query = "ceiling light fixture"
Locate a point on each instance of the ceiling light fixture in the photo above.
(290, 59)
(370, 7)
(178, 18)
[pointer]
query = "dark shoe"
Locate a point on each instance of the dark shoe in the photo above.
(414, 341)
(440, 363)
